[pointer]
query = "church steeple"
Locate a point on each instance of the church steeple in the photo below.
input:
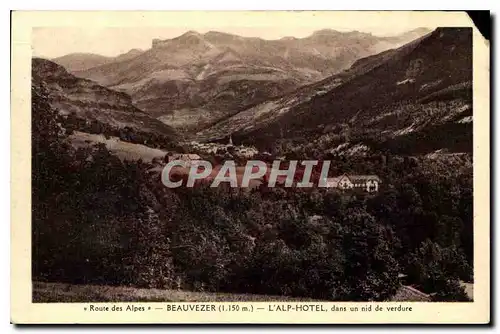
(230, 140)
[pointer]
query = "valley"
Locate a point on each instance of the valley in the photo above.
(224, 73)
(391, 110)
(372, 104)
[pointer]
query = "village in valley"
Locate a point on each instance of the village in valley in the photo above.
(218, 153)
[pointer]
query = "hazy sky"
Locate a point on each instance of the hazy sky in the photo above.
(52, 42)
(114, 32)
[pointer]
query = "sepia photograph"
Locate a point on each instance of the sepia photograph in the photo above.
(236, 163)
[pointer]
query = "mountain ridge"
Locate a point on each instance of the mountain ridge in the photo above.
(80, 61)
(90, 105)
(198, 79)
(412, 80)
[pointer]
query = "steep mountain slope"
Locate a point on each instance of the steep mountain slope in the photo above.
(81, 61)
(91, 103)
(415, 99)
(74, 62)
(196, 79)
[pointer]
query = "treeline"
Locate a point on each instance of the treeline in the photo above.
(99, 220)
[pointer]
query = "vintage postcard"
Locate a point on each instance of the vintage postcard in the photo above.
(258, 167)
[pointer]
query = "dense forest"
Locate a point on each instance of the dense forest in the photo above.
(99, 220)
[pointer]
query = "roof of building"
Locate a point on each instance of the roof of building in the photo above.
(363, 178)
(333, 181)
(407, 293)
(469, 289)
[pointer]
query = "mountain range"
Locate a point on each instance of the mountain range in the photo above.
(80, 61)
(333, 92)
(192, 81)
(416, 98)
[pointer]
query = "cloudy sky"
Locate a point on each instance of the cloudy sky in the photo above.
(96, 34)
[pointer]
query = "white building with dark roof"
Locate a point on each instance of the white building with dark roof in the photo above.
(368, 183)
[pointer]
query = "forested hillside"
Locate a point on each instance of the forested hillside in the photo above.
(99, 220)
